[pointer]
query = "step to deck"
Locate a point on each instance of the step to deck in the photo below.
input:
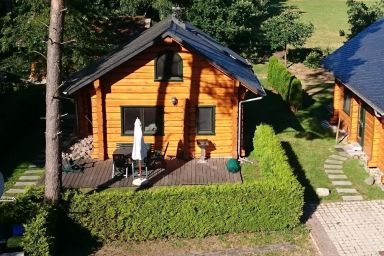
(37, 171)
(333, 161)
(341, 183)
(333, 171)
(32, 177)
(346, 190)
(332, 166)
(25, 183)
(337, 176)
(352, 198)
(15, 191)
(338, 157)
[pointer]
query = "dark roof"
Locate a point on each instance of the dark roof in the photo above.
(184, 33)
(359, 65)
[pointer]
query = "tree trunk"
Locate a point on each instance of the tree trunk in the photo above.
(285, 54)
(52, 137)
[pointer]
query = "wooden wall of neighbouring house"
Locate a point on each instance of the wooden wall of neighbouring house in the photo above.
(374, 129)
(380, 158)
(132, 84)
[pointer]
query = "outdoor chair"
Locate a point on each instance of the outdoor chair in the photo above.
(120, 165)
(71, 165)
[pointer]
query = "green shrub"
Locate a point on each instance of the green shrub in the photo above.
(195, 211)
(284, 82)
(38, 238)
(272, 161)
(296, 94)
(313, 59)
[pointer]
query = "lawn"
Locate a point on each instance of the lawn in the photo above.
(284, 243)
(328, 17)
(355, 172)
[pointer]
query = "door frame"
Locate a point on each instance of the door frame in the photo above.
(361, 125)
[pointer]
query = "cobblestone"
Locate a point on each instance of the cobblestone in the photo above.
(354, 228)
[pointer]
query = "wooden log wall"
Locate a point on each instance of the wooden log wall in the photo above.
(132, 84)
(380, 158)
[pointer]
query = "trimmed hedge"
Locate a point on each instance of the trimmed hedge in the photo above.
(196, 211)
(287, 85)
(38, 238)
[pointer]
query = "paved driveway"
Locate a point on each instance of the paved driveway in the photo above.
(349, 228)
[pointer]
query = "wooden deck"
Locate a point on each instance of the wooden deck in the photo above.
(97, 174)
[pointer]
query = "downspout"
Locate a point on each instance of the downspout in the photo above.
(239, 128)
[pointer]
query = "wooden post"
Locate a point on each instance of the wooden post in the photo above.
(337, 131)
(100, 119)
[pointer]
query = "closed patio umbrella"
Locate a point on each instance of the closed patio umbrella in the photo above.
(139, 150)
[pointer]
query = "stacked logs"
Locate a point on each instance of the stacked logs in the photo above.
(82, 149)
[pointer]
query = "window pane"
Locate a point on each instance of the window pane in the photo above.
(347, 102)
(205, 120)
(130, 115)
(150, 125)
(169, 66)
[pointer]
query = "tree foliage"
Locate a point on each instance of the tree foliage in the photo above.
(232, 22)
(287, 29)
(360, 15)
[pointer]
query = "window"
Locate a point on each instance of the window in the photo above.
(347, 102)
(152, 120)
(206, 120)
(169, 67)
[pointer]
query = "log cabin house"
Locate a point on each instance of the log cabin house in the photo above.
(358, 67)
(179, 81)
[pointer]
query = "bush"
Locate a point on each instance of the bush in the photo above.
(313, 59)
(196, 211)
(296, 94)
(284, 83)
(38, 238)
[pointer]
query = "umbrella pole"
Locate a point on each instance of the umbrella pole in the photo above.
(139, 168)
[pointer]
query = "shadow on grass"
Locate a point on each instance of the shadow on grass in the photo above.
(310, 196)
(271, 110)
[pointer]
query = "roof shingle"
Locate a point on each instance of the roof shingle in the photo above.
(359, 65)
(184, 33)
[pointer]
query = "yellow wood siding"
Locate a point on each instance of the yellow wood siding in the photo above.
(132, 84)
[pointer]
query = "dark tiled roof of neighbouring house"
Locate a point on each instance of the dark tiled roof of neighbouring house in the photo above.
(184, 33)
(359, 65)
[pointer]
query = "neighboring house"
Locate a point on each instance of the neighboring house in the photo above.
(180, 82)
(358, 67)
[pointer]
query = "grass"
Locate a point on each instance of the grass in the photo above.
(355, 172)
(297, 238)
(328, 17)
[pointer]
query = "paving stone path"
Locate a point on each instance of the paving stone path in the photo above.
(29, 178)
(333, 167)
(349, 228)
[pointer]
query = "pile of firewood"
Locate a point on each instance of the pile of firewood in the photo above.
(82, 149)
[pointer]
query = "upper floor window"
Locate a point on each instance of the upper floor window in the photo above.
(169, 67)
(347, 102)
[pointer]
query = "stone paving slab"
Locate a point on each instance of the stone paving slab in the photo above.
(338, 157)
(25, 183)
(339, 171)
(352, 198)
(354, 228)
(332, 161)
(38, 171)
(32, 166)
(15, 191)
(332, 166)
(32, 177)
(346, 190)
(341, 183)
(337, 176)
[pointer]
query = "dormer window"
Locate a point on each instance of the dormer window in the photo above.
(169, 67)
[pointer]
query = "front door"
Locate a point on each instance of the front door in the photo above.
(361, 125)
